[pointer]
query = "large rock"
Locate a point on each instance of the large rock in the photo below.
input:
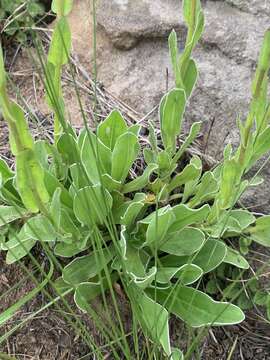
(126, 22)
(141, 73)
(252, 6)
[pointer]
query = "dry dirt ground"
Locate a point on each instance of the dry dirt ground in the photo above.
(48, 336)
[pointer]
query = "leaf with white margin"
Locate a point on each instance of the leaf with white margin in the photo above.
(260, 233)
(196, 308)
(158, 227)
(185, 216)
(146, 280)
(211, 255)
(131, 214)
(233, 257)
(86, 267)
(111, 129)
(154, 321)
(92, 205)
(184, 242)
(188, 274)
(141, 181)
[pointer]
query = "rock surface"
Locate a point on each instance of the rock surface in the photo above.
(252, 6)
(133, 61)
(128, 22)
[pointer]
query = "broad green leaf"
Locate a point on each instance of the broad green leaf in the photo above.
(30, 181)
(18, 246)
(135, 129)
(198, 309)
(86, 267)
(174, 58)
(262, 145)
(11, 213)
(52, 183)
(190, 186)
(184, 242)
(191, 9)
(264, 59)
(233, 257)
(146, 280)
(210, 255)
(62, 7)
(194, 33)
(68, 250)
(232, 223)
(177, 354)
(88, 291)
(153, 137)
(111, 129)
(231, 174)
(149, 156)
(189, 173)
(110, 184)
(260, 233)
(79, 180)
(19, 251)
(185, 216)
(55, 208)
(85, 293)
(259, 83)
(206, 189)
(190, 77)
(165, 274)
(187, 274)
(124, 154)
(131, 214)
(57, 166)
(96, 158)
(68, 148)
(244, 217)
(136, 261)
(154, 321)
(164, 162)
(260, 298)
(5, 172)
(62, 287)
(92, 205)
(171, 111)
(141, 181)
(198, 29)
(60, 44)
(9, 194)
(40, 229)
(41, 152)
(147, 220)
(194, 131)
(16, 115)
(226, 226)
(158, 227)
(69, 227)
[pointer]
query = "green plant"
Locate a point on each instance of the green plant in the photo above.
(158, 234)
(17, 16)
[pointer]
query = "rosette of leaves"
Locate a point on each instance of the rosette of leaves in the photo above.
(158, 234)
